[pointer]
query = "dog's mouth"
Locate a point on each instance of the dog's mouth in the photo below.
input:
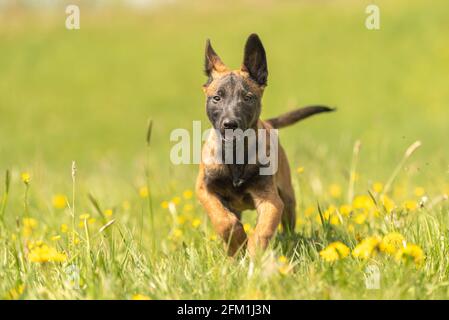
(231, 135)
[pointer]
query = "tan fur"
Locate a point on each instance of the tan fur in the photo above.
(271, 206)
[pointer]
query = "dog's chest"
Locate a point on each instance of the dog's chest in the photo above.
(232, 184)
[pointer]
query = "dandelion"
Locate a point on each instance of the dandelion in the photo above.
(29, 223)
(164, 204)
(59, 201)
(360, 218)
(213, 237)
(64, 228)
(44, 253)
(411, 252)
(300, 170)
(180, 219)
(392, 242)
(345, 210)
(108, 212)
(351, 228)
(334, 251)
(16, 293)
(176, 234)
(378, 187)
(283, 259)
(84, 216)
(363, 202)
(139, 296)
(388, 203)
(26, 178)
(334, 220)
(176, 200)
(55, 238)
(196, 223)
(246, 227)
(309, 211)
(410, 205)
(143, 192)
(335, 190)
(419, 192)
(366, 248)
(187, 194)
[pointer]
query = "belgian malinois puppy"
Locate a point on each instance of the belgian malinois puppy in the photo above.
(233, 101)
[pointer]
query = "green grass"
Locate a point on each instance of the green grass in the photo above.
(86, 96)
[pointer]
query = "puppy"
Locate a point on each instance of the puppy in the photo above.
(226, 188)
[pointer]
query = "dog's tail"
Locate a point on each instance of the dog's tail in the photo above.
(291, 117)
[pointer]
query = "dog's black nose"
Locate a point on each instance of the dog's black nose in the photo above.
(230, 124)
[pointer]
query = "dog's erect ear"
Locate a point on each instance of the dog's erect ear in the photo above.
(255, 60)
(212, 62)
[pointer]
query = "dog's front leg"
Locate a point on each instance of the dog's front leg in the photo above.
(269, 208)
(225, 223)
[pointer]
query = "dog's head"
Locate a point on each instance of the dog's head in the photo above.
(233, 97)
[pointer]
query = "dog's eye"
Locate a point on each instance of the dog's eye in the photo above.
(248, 97)
(216, 98)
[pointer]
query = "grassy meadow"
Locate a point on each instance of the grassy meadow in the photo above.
(125, 223)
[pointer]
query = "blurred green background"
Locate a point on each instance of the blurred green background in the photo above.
(86, 94)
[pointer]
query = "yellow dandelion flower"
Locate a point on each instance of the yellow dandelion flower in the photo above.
(360, 218)
(283, 259)
(64, 228)
(300, 221)
(419, 192)
(59, 201)
(309, 211)
(26, 178)
(84, 216)
(334, 220)
(213, 237)
(410, 205)
(16, 293)
(91, 221)
(108, 212)
(363, 202)
(187, 194)
(284, 269)
(164, 204)
(196, 223)
(29, 223)
(351, 228)
(55, 238)
(180, 219)
(345, 210)
(176, 200)
(366, 248)
(139, 296)
(176, 234)
(411, 252)
(300, 170)
(187, 207)
(143, 192)
(334, 251)
(45, 253)
(392, 242)
(246, 227)
(388, 203)
(378, 187)
(335, 190)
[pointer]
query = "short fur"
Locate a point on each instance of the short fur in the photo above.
(233, 101)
